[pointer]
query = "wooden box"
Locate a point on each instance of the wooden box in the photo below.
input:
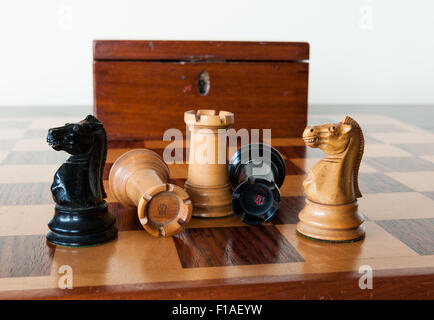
(142, 88)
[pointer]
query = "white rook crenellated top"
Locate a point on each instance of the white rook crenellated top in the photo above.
(208, 118)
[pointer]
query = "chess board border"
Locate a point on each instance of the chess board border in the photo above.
(410, 283)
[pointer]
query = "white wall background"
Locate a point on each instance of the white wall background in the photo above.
(372, 51)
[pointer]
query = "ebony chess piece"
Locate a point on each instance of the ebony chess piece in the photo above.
(81, 216)
(331, 186)
(256, 171)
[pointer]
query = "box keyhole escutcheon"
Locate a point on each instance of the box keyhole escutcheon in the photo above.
(203, 83)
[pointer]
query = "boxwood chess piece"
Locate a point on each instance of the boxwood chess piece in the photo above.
(140, 178)
(256, 171)
(208, 182)
(331, 187)
(81, 216)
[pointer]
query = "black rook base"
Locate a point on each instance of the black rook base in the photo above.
(81, 227)
(256, 172)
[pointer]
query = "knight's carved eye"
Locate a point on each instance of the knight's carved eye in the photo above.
(332, 129)
(75, 128)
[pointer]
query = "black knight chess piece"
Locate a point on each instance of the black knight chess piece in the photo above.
(81, 216)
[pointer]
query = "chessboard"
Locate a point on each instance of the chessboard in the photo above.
(224, 258)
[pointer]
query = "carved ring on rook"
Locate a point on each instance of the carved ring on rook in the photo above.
(140, 178)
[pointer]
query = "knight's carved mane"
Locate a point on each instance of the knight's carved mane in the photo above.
(355, 125)
(97, 125)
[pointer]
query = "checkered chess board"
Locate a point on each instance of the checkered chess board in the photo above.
(396, 180)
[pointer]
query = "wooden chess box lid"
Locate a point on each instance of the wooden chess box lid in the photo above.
(143, 88)
(199, 50)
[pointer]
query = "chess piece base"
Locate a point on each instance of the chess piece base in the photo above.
(139, 178)
(335, 223)
(256, 201)
(81, 228)
(164, 210)
(256, 198)
(210, 202)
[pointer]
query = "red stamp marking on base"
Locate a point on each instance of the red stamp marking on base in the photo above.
(259, 200)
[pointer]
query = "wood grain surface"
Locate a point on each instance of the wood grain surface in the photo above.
(28, 255)
(199, 50)
(211, 247)
(340, 285)
(141, 100)
(415, 233)
(148, 85)
(224, 258)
